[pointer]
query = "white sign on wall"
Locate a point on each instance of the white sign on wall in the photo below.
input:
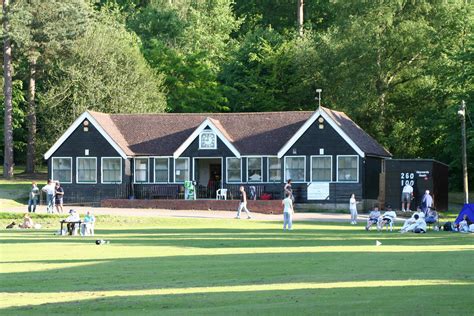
(318, 191)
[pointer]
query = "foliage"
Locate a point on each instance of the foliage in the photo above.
(18, 120)
(398, 68)
(104, 71)
(188, 41)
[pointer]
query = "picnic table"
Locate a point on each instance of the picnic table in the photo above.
(78, 223)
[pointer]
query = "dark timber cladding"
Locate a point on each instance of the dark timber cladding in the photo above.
(87, 142)
(422, 174)
(332, 144)
(158, 152)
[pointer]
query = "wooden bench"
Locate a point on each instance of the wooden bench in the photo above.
(167, 192)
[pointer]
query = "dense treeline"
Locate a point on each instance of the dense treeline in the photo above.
(399, 68)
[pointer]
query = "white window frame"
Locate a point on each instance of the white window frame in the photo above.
(261, 169)
(208, 131)
(268, 169)
(337, 168)
(77, 170)
(284, 169)
(154, 169)
(227, 170)
(147, 169)
(311, 167)
(102, 171)
(174, 169)
(52, 168)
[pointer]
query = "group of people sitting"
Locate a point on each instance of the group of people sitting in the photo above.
(417, 223)
(376, 218)
(74, 220)
(27, 223)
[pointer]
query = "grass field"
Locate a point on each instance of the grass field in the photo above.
(211, 266)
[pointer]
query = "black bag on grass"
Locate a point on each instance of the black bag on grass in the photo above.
(448, 227)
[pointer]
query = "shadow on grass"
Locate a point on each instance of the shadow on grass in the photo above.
(240, 238)
(104, 273)
(416, 300)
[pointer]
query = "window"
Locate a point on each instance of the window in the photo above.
(141, 169)
(234, 170)
(274, 169)
(181, 170)
(321, 168)
(295, 168)
(62, 170)
(254, 169)
(161, 170)
(347, 168)
(207, 140)
(86, 170)
(111, 170)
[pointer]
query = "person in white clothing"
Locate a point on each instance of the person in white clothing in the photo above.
(387, 218)
(243, 203)
(407, 195)
(287, 212)
(353, 209)
(410, 221)
(417, 226)
(50, 190)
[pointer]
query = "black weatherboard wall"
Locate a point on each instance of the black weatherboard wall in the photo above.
(98, 147)
(423, 174)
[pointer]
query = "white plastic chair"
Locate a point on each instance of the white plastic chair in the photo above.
(387, 225)
(87, 229)
(221, 194)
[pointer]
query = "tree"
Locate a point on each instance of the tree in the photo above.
(7, 89)
(43, 29)
(188, 42)
(271, 73)
(104, 71)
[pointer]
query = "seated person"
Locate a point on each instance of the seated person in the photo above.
(87, 226)
(373, 217)
(71, 221)
(387, 218)
(463, 225)
(431, 217)
(418, 226)
(27, 222)
(419, 213)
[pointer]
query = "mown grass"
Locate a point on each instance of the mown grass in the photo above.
(14, 192)
(211, 266)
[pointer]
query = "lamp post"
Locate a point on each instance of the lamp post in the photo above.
(462, 114)
(318, 91)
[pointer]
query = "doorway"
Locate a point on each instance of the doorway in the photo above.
(208, 177)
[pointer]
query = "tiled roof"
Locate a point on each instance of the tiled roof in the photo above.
(263, 133)
(365, 142)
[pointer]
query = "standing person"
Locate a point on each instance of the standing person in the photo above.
(353, 209)
(243, 203)
(58, 197)
(426, 202)
(33, 197)
(287, 212)
(289, 190)
(50, 188)
(407, 194)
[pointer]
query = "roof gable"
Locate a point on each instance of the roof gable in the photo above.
(220, 132)
(357, 138)
(85, 116)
